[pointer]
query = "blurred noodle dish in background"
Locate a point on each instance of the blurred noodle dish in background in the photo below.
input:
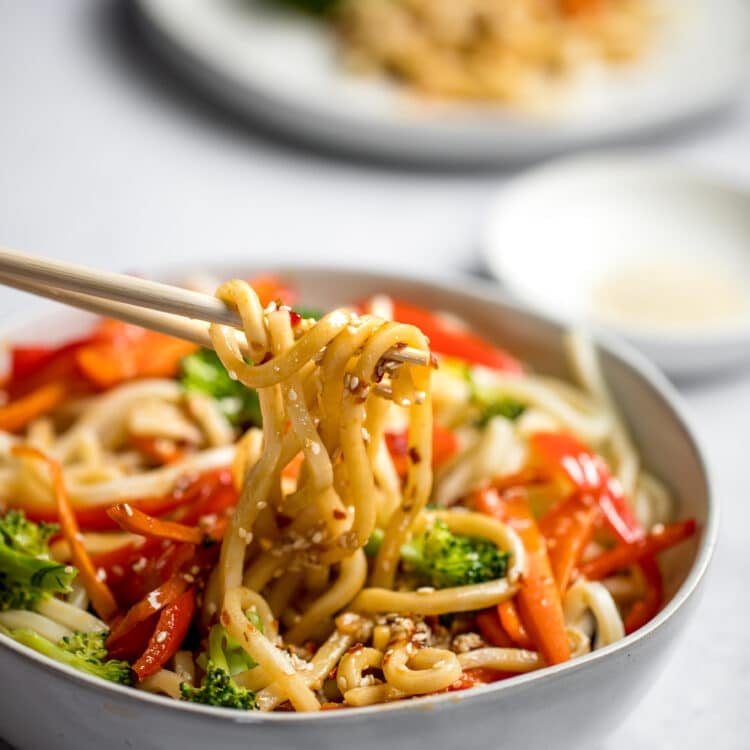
(510, 51)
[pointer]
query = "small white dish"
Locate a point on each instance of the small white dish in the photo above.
(283, 69)
(653, 250)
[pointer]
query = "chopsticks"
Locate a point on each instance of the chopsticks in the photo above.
(161, 307)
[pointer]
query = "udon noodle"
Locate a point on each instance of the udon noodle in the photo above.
(366, 508)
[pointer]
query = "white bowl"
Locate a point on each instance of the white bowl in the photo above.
(283, 69)
(573, 705)
(560, 237)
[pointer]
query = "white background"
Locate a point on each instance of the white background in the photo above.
(106, 158)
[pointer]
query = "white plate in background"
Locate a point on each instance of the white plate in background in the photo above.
(654, 250)
(281, 68)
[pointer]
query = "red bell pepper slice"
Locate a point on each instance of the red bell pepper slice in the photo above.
(152, 603)
(33, 367)
(568, 528)
(622, 555)
(648, 607)
(192, 498)
(135, 641)
(25, 360)
(444, 447)
(538, 599)
(452, 340)
(565, 457)
(171, 629)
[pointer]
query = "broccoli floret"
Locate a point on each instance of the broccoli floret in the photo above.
(308, 312)
(202, 371)
(317, 7)
(89, 646)
(441, 559)
(502, 407)
(25, 536)
(219, 689)
(374, 542)
(224, 659)
(83, 651)
(27, 574)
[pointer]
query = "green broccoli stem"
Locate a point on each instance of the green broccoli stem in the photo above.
(42, 574)
(113, 670)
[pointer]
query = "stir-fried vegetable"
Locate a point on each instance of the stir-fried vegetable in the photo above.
(218, 689)
(441, 559)
(171, 629)
(225, 658)
(83, 651)
(101, 597)
(538, 600)
(318, 7)
(27, 574)
(581, 470)
(448, 338)
(202, 371)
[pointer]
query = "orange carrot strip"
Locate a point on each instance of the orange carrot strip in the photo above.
(17, 414)
(124, 351)
(136, 521)
(622, 555)
(567, 529)
(101, 597)
(538, 599)
(159, 450)
(491, 629)
(512, 625)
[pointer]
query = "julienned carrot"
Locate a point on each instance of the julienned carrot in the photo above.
(491, 630)
(101, 597)
(153, 602)
(159, 450)
(538, 599)
(568, 528)
(17, 414)
(647, 608)
(512, 625)
(131, 519)
(622, 555)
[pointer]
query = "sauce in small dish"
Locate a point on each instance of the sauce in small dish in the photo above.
(655, 251)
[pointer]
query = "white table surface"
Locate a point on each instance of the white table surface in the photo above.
(108, 159)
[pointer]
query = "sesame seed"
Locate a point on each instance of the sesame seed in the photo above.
(161, 636)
